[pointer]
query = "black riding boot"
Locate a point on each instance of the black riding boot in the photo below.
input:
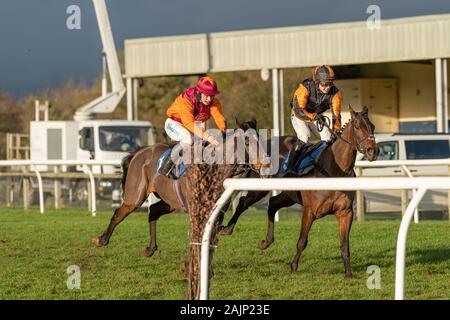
(167, 164)
(292, 157)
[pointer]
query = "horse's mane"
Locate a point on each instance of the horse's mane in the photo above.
(339, 133)
(341, 130)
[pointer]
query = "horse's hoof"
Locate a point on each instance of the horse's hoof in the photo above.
(148, 252)
(294, 267)
(98, 242)
(263, 244)
(224, 231)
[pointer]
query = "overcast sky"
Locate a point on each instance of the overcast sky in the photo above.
(37, 50)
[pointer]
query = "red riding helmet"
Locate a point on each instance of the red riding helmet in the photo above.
(208, 86)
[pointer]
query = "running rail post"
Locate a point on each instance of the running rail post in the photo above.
(204, 257)
(401, 243)
(414, 191)
(92, 181)
(41, 189)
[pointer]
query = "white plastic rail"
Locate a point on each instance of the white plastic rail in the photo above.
(296, 184)
(404, 164)
(87, 164)
(41, 189)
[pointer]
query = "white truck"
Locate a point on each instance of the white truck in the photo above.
(396, 146)
(86, 137)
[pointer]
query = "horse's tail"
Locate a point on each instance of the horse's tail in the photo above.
(125, 163)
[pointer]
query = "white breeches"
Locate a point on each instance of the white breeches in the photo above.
(304, 130)
(177, 132)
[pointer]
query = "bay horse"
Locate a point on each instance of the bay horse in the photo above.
(336, 160)
(140, 179)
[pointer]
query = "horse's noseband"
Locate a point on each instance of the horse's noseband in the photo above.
(362, 145)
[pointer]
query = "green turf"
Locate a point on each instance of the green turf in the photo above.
(36, 250)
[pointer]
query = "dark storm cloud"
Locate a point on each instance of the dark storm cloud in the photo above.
(37, 50)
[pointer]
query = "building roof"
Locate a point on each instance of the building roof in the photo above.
(404, 39)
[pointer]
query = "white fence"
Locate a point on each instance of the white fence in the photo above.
(294, 184)
(405, 166)
(87, 168)
(418, 185)
(87, 165)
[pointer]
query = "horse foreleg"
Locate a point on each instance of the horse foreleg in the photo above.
(119, 214)
(307, 221)
(244, 202)
(155, 211)
(345, 224)
(277, 202)
(221, 215)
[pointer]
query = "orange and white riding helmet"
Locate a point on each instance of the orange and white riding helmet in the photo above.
(323, 73)
(208, 86)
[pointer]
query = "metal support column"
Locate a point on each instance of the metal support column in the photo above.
(281, 100)
(130, 102)
(135, 98)
(276, 101)
(445, 93)
(277, 97)
(57, 189)
(441, 95)
(26, 190)
(278, 110)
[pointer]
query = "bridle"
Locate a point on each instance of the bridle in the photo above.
(363, 142)
(356, 145)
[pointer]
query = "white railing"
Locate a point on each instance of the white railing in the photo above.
(87, 166)
(404, 165)
(399, 163)
(422, 184)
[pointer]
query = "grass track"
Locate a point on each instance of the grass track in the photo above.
(35, 251)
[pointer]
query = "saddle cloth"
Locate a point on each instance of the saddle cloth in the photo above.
(309, 155)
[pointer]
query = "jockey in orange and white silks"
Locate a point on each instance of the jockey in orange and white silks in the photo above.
(187, 116)
(312, 98)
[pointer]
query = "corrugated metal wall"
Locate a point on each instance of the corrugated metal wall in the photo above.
(417, 38)
(166, 56)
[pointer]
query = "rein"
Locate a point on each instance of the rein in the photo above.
(355, 145)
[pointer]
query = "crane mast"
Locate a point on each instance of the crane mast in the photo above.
(108, 101)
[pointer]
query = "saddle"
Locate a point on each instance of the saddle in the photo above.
(178, 168)
(307, 159)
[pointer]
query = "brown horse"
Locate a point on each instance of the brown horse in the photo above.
(140, 179)
(337, 160)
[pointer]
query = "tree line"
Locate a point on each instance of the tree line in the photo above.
(244, 95)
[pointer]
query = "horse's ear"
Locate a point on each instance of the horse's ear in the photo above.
(365, 111)
(238, 124)
(352, 112)
(254, 123)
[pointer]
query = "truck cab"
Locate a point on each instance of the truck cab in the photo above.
(112, 140)
(397, 146)
(89, 140)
